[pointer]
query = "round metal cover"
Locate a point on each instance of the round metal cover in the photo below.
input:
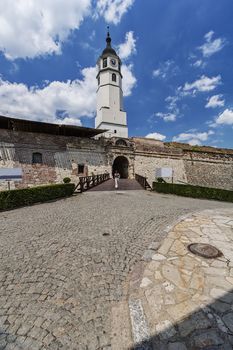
(106, 234)
(205, 250)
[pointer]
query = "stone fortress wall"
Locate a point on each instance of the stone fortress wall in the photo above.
(63, 156)
(195, 165)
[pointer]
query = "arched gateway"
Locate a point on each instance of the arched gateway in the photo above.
(121, 164)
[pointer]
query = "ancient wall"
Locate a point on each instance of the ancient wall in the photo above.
(146, 165)
(151, 155)
(203, 166)
(209, 169)
(61, 156)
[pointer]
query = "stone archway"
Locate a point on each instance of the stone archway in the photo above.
(121, 164)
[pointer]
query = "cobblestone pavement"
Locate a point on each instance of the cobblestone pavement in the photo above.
(184, 301)
(64, 266)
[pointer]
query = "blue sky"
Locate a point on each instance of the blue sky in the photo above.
(177, 64)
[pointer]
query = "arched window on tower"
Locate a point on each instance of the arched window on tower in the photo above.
(113, 77)
(105, 63)
(36, 158)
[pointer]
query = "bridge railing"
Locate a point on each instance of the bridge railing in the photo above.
(87, 182)
(142, 180)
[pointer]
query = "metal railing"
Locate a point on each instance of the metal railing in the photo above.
(87, 182)
(142, 180)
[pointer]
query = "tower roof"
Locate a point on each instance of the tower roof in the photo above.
(108, 50)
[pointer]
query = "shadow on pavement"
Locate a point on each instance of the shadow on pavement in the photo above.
(209, 328)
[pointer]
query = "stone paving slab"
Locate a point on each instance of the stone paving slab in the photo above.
(187, 300)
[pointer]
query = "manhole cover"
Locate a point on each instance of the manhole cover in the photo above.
(106, 234)
(205, 250)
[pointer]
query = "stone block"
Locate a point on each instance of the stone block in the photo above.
(207, 339)
(228, 320)
(177, 346)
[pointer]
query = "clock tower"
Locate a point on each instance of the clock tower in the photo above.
(110, 113)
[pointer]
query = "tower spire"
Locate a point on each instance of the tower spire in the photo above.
(108, 39)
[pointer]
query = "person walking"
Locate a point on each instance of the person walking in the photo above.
(116, 178)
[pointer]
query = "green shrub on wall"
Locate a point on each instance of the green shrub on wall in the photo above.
(66, 180)
(27, 196)
(194, 191)
(160, 180)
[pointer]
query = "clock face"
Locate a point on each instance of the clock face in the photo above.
(113, 62)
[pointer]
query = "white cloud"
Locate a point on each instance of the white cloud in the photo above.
(167, 117)
(29, 28)
(70, 121)
(156, 136)
(215, 101)
(128, 48)
(199, 64)
(208, 36)
(225, 118)
(125, 50)
(203, 84)
(166, 69)
(92, 35)
(129, 81)
(211, 46)
(76, 98)
(156, 73)
(113, 10)
(73, 99)
(172, 104)
(195, 138)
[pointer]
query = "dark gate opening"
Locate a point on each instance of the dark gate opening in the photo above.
(121, 164)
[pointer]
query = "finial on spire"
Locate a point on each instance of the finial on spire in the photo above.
(108, 39)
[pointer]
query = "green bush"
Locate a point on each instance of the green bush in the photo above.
(21, 197)
(194, 191)
(66, 180)
(161, 180)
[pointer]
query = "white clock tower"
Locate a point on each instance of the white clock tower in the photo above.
(110, 113)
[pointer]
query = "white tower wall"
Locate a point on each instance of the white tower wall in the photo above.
(110, 114)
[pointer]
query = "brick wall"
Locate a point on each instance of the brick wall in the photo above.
(60, 157)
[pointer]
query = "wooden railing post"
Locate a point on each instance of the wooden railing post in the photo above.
(142, 180)
(87, 182)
